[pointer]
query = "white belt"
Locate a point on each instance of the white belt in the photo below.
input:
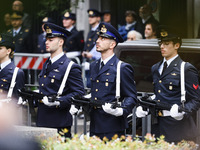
(164, 113)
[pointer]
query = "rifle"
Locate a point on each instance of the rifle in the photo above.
(34, 97)
(155, 105)
(82, 101)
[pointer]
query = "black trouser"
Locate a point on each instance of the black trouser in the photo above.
(62, 132)
(108, 135)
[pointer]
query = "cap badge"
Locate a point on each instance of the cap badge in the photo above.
(163, 33)
(103, 29)
(48, 30)
(91, 12)
(45, 19)
(67, 14)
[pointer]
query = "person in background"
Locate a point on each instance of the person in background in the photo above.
(131, 24)
(145, 13)
(57, 114)
(7, 23)
(18, 6)
(150, 31)
(7, 68)
(106, 16)
(108, 121)
(74, 43)
(21, 35)
(41, 39)
(90, 54)
(174, 124)
(134, 35)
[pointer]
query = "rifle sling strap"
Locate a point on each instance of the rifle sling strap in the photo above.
(12, 84)
(62, 86)
(182, 76)
(118, 80)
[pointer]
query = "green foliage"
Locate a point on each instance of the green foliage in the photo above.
(51, 6)
(123, 143)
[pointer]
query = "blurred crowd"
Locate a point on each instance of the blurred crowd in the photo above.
(18, 24)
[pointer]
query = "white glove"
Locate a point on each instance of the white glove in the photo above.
(140, 112)
(46, 102)
(116, 112)
(73, 110)
(87, 96)
(21, 102)
(175, 114)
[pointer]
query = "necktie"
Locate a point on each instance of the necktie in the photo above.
(48, 64)
(164, 67)
(102, 64)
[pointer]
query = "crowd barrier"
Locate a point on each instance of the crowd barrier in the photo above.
(33, 62)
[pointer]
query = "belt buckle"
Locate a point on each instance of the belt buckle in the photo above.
(160, 113)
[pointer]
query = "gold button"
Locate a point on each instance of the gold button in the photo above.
(95, 98)
(41, 92)
(54, 76)
(158, 100)
(170, 83)
(96, 90)
(159, 91)
(45, 76)
(97, 81)
(160, 81)
(106, 79)
(2, 85)
(42, 84)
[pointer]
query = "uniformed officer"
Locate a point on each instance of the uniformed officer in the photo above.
(56, 114)
(75, 42)
(7, 67)
(21, 35)
(108, 121)
(90, 54)
(41, 46)
(90, 44)
(174, 125)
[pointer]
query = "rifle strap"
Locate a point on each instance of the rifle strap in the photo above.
(65, 78)
(118, 81)
(12, 84)
(182, 76)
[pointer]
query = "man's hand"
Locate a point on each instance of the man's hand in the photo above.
(140, 112)
(175, 114)
(46, 102)
(73, 110)
(116, 112)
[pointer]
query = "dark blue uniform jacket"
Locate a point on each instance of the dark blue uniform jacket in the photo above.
(50, 81)
(167, 89)
(103, 86)
(6, 77)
